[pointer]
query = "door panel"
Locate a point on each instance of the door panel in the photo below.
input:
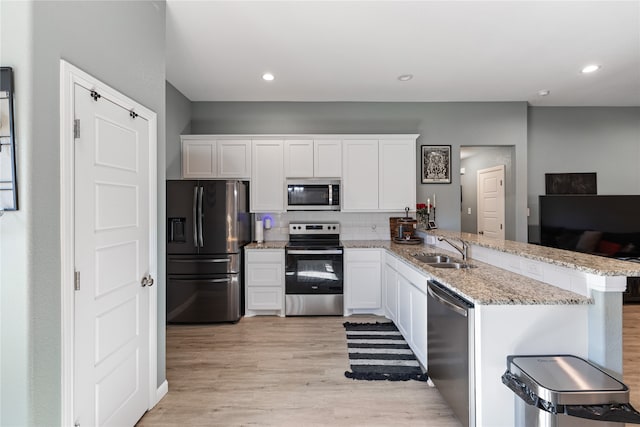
(181, 202)
(218, 222)
(491, 215)
(112, 255)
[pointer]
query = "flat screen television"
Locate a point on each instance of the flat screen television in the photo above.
(602, 225)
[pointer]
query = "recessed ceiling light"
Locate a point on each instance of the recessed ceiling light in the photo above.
(544, 92)
(590, 68)
(405, 77)
(268, 77)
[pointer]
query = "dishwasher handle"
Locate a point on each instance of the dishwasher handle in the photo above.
(436, 293)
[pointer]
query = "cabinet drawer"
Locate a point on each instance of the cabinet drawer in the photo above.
(371, 255)
(264, 298)
(263, 256)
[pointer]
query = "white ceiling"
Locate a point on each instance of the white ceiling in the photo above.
(456, 50)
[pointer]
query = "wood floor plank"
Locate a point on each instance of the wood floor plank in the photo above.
(284, 372)
(290, 372)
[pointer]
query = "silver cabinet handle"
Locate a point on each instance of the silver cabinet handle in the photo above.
(200, 213)
(201, 260)
(195, 216)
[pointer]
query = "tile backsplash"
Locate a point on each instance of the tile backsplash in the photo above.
(353, 225)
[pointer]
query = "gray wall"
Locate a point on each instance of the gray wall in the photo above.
(122, 44)
(605, 140)
(482, 158)
(178, 123)
(452, 124)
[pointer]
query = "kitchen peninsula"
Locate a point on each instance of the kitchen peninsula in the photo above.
(528, 300)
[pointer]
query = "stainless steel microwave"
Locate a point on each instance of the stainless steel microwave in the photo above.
(313, 195)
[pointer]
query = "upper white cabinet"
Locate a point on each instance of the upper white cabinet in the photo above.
(379, 174)
(267, 176)
(208, 157)
(307, 158)
(198, 158)
(360, 175)
(396, 174)
(234, 158)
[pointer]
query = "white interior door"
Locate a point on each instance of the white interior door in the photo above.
(491, 202)
(111, 319)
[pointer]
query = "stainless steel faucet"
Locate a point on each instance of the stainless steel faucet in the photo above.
(464, 250)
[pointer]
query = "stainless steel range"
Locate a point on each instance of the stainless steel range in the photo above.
(314, 270)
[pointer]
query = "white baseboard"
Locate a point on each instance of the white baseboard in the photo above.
(161, 391)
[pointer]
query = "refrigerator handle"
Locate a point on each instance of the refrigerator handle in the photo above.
(195, 217)
(200, 214)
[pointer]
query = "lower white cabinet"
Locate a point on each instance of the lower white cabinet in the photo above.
(363, 281)
(405, 302)
(264, 282)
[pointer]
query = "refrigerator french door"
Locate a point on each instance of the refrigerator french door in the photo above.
(208, 223)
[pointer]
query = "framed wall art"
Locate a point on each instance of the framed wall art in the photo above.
(436, 164)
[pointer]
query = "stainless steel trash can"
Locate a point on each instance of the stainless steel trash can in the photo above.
(566, 391)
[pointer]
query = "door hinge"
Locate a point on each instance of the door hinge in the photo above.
(500, 226)
(76, 128)
(76, 281)
(500, 183)
(76, 424)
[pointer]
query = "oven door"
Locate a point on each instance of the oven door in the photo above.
(317, 271)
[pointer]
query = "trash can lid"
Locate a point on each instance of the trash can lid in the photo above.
(567, 380)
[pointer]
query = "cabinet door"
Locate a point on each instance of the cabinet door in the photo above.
(404, 308)
(363, 282)
(264, 298)
(390, 292)
(198, 158)
(397, 175)
(234, 158)
(327, 158)
(359, 175)
(267, 176)
(264, 280)
(419, 324)
(298, 158)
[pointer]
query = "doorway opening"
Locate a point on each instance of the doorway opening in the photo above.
(474, 159)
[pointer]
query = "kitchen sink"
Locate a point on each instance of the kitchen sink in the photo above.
(432, 259)
(455, 265)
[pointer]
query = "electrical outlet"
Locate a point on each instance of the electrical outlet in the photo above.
(468, 211)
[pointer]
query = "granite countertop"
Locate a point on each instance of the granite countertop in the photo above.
(275, 244)
(485, 284)
(587, 263)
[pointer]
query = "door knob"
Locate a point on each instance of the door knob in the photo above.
(146, 280)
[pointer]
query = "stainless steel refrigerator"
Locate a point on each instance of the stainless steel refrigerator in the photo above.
(208, 223)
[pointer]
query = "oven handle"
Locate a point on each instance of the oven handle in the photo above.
(315, 252)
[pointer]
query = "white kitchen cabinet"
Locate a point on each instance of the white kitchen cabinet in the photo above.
(396, 174)
(298, 158)
(360, 175)
(198, 158)
(391, 293)
(264, 282)
(363, 281)
(306, 158)
(205, 157)
(234, 158)
(379, 175)
(267, 176)
(327, 158)
(409, 298)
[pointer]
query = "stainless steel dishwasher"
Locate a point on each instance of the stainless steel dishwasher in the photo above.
(450, 350)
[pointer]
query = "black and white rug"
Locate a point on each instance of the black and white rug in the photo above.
(377, 351)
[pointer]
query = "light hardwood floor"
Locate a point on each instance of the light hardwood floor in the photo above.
(284, 372)
(290, 372)
(631, 351)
